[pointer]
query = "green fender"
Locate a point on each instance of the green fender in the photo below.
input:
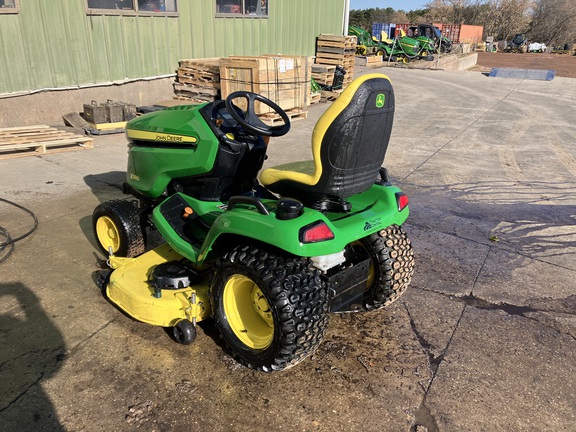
(372, 211)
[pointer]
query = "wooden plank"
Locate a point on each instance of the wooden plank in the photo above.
(24, 128)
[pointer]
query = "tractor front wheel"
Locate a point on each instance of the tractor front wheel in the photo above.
(117, 227)
(271, 311)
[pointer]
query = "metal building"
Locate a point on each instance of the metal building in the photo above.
(75, 44)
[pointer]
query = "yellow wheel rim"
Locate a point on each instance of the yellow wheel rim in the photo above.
(248, 312)
(107, 233)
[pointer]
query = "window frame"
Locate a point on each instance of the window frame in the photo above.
(131, 12)
(11, 10)
(242, 14)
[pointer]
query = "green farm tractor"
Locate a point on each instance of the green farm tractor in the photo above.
(266, 255)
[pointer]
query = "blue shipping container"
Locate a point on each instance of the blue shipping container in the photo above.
(378, 28)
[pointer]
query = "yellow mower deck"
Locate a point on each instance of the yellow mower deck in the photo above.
(130, 290)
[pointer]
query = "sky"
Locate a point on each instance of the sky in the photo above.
(406, 5)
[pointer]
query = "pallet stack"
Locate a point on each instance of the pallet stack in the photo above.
(198, 80)
(39, 139)
(337, 51)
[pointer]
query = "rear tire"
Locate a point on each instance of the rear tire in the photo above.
(271, 311)
(392, 266)
(116, 225)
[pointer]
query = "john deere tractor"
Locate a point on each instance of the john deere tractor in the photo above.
(267, 255)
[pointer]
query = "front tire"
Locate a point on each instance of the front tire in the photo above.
(117, 226)
(271, 311)
(391, 269)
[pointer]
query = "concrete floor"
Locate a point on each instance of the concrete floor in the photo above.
(483, 340)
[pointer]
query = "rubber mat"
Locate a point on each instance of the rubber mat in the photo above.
(531, 74)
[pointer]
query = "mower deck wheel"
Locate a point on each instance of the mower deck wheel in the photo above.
(184, 332)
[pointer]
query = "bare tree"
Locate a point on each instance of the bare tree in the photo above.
(553, 22)
(507, 17)
(448, 11)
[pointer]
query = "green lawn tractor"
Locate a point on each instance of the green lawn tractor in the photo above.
(402, 48)
(368, 45)
(430, 37)
(408, 48)
(267, 260)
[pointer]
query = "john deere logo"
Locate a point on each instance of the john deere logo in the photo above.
(380, 99)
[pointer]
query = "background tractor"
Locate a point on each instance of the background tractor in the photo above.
(519, 43)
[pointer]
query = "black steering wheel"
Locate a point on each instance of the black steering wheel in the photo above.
(250, 121)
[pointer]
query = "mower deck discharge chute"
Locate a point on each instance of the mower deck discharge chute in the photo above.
(269, 259)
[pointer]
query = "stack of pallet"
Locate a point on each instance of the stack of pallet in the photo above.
(337, 51)
(198, 80)
(284, 80)
(39, 139)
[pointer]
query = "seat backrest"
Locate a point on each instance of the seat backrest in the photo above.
(350, 140)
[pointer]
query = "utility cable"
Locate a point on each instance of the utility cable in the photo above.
(8, 244)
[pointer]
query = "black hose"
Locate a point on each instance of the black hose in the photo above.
(8, 244)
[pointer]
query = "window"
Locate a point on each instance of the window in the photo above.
(130, 7)
(242, 8)
(9, 6)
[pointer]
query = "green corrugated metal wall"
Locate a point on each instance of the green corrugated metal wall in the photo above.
(55, 44)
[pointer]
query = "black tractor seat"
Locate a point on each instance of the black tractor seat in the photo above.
(349, 143)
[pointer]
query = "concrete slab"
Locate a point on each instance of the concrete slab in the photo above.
(510, 372)
(535, 74)
(484, 340)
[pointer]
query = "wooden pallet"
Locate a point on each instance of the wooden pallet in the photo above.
(193, 92)
(273, 119)
(335, 59)
(39, 139)
(194, 80)
(323, 79)
(209, 68)
(332, 50)
(315, 98)
(198, 79)
(326, 95)
(334, 41)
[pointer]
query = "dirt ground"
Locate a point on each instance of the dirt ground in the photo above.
(563, 64)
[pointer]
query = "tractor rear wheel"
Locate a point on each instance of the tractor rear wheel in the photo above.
(391, 269)
(117, 225)
(271, 311)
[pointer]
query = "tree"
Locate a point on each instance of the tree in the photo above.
(553, 22)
